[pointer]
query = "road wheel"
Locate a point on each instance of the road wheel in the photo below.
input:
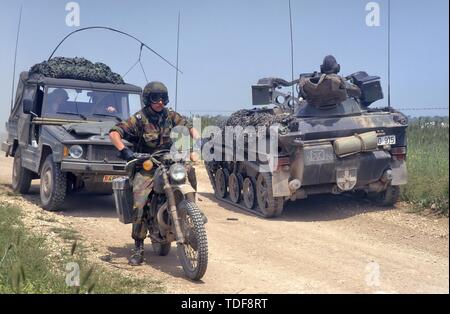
(234, 187)
(193, 254)
(53, 185)
(21, 177)
(249, 192)
(386, 198)
(269, 205)
(221, 181)
(161, 249)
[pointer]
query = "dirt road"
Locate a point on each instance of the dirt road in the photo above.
(323, 244)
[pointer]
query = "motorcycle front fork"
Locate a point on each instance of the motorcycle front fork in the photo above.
(173, 208)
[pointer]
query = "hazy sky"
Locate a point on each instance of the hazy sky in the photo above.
(226, 46)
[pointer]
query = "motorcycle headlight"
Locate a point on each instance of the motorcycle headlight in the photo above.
(76, 151)
(177, 172)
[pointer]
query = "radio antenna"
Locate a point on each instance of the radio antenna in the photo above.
(292, 48)
(15, 56)
(176, 75)
(143, 45)
(389, 53)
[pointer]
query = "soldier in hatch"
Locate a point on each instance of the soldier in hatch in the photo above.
(149, 130)
(331, 68)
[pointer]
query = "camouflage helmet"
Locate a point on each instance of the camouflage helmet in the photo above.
(330, 65)
(155, 89)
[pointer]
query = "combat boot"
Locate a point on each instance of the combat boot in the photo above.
(137, 258)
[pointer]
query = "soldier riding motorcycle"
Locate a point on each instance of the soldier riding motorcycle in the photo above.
(171, 213)
(149, 130)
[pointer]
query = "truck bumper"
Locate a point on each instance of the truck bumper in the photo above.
(93, 168)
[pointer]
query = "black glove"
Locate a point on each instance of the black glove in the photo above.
(126, 154)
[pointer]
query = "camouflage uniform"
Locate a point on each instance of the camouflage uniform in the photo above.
(148, 131)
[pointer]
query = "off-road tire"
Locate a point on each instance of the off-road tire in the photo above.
(191, 210)
(53, 185)
(21, 177)
(268, 205)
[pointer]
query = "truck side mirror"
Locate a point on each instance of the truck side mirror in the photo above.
(27, 106)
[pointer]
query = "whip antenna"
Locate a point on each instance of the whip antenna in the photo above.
(176, 75)
(389, 53)
(15, 56)
(117, 31)
(292, 47)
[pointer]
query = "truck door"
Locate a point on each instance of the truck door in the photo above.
(26, 130)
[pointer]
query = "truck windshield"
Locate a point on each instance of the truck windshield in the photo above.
(94, 104)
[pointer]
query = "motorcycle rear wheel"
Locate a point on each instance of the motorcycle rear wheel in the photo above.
(193, 254)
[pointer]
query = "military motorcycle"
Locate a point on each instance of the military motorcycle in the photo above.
(171, 210)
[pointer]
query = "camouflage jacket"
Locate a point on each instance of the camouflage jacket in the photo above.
(148, 130)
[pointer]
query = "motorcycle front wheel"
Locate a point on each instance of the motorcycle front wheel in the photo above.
(193, 254)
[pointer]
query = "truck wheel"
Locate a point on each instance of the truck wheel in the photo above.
(386, 198)
(234, 187)
(21, 177)
(53, 185)
(269, 205)
(221, 181)
(249, 192)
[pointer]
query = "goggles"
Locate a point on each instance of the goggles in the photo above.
(157, 97)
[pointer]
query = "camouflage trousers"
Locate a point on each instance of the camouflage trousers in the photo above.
(142, 186)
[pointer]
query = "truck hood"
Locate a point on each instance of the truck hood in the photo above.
(83, 133)
(89, 128)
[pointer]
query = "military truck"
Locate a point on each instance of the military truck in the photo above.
(332, 144)
(58, 133)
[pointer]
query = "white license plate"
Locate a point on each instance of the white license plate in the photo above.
(386, 140)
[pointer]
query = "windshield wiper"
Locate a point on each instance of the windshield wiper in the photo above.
(73, 113)
(107, 115)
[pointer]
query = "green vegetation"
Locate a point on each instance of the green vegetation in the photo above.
(427, 162)
(27, 265)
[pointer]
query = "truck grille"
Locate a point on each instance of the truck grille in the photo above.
(105, 153)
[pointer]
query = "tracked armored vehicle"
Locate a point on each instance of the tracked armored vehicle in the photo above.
(328, 141)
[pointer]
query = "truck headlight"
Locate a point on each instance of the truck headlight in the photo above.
(76, 151)
(177, 172)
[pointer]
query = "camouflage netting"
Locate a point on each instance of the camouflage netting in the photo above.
(77, 69)
(265, 118)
